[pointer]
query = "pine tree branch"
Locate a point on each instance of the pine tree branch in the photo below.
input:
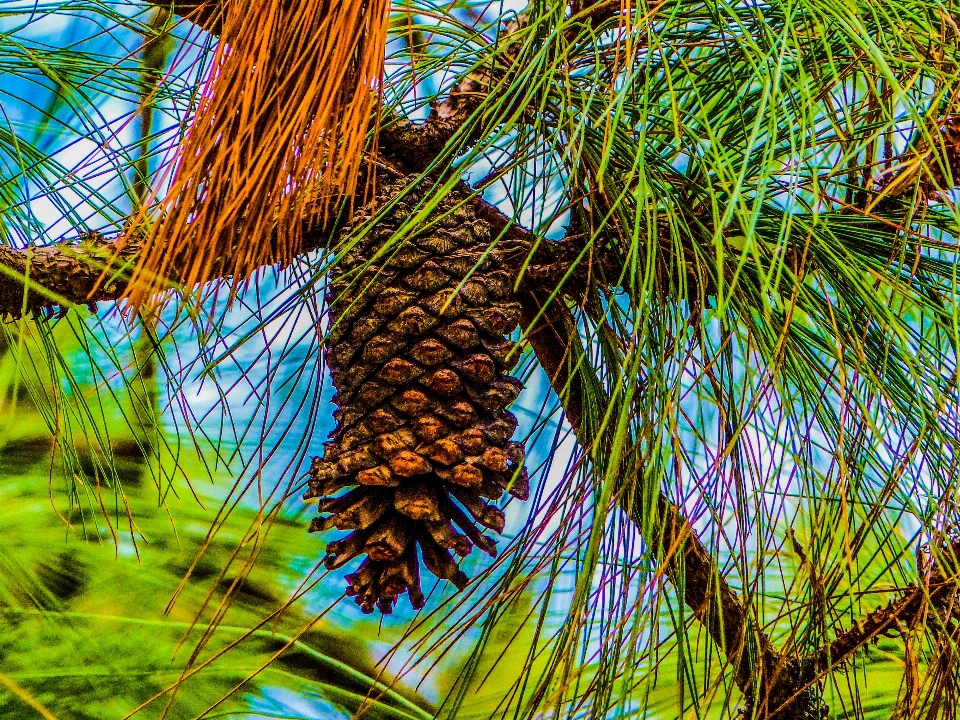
(43, 278)
(52, 278)
(416, 145)
(549, 327)
(773, 684)
(938, 590)
(48, 278)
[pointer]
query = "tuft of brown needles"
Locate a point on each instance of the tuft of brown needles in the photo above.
(277, 136)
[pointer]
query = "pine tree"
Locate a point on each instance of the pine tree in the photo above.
(749, 326)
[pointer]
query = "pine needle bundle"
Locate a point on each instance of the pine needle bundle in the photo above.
(277, 136)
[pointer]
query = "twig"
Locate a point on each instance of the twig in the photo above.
(938, 590)
(782, 692)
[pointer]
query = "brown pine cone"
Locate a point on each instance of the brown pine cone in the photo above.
(418, 350)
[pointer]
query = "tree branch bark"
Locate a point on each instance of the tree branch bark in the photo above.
(774, 685)
(938, 590)
(47, 278)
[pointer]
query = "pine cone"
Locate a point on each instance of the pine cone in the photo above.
(418, 347)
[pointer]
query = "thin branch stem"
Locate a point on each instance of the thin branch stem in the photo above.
(771, 682)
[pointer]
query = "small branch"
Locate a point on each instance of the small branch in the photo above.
(208, 14)
(921, 167)
(69, 273)
(782, 693)
(893, 617)
(548, 326)
(938, 591)
(416, 145)
(591, 14)
(42, 278)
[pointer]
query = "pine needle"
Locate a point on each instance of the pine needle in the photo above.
(277, 137)
(14, 687)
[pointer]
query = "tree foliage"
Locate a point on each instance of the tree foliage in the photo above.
(739, 336)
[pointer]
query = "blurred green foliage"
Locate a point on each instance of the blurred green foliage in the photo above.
(87, 632)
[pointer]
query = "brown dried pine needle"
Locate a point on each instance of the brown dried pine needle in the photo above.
(277, 136)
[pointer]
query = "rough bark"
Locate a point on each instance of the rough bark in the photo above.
(937, 591)
(47, 278)
(776, 687)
